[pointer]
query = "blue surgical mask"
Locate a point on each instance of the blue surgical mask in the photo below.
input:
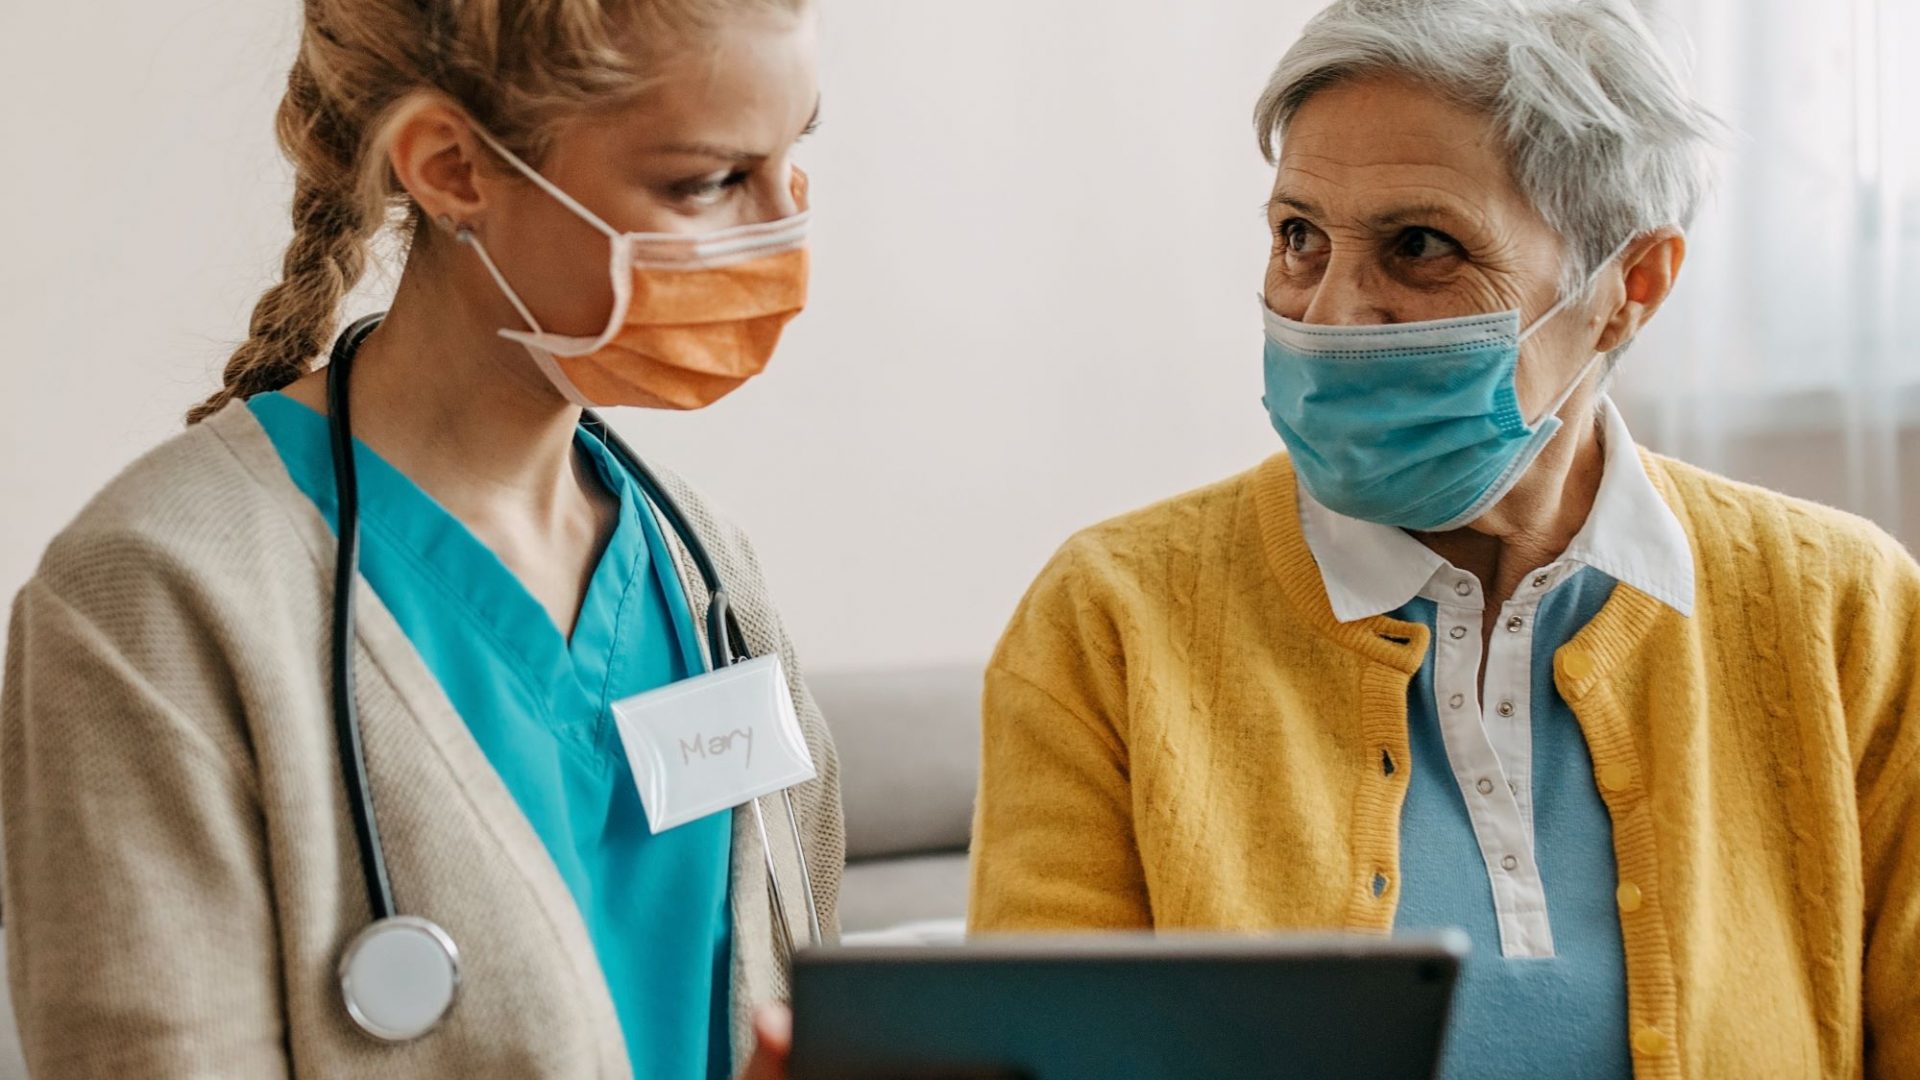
(1416, 425)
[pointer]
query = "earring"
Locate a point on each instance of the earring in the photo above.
(462, 232)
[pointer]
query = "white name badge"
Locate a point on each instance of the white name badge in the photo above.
(712, 742)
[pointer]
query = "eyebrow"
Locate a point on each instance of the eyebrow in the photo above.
(1295, 202)
(1410, 213)
(730, 153)
(1415, 213)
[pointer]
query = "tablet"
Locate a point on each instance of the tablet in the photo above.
(1126, 1006)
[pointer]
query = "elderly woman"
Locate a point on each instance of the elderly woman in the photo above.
(1464, 655)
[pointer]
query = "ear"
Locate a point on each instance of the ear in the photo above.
(438, 160)
(1648, 270)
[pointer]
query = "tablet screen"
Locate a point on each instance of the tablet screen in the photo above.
(1122, 1006)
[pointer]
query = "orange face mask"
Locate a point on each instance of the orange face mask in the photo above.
(694, 316)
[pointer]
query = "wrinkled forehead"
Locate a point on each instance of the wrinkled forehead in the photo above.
(1364, 147)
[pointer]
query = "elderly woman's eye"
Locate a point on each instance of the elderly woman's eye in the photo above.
(1300, 238)
(1426, 244)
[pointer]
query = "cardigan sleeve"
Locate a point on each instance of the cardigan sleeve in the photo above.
(139, 920)
(1054, 844)
(1881, 669)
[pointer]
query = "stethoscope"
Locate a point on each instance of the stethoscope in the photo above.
(400, 974)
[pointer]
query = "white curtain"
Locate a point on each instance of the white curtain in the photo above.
(1790, 354)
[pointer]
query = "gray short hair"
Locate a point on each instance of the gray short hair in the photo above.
(1601, 134)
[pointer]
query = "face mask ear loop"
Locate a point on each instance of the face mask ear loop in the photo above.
(1561, 305)
(1554, 409)
(1587, 368)
(546, 185)
(467, 237)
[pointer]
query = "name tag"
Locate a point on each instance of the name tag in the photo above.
(712, 742)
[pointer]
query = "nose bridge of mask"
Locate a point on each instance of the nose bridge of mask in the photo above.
(717, 250)
(1462, 331)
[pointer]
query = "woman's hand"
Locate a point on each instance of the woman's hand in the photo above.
(773, 1039)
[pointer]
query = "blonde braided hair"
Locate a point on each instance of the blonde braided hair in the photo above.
(517, 66)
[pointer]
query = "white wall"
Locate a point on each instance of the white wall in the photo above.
(1040, 235)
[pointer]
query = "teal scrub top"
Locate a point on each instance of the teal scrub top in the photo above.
(539, 705)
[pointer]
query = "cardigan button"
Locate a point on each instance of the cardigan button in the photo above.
(1651, 1041)
(1628, 894)
(1616, 777)
(1577, 665)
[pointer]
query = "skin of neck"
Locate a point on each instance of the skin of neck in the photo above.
(1532, 525)
(461, 411)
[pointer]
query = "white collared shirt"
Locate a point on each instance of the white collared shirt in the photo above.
(1631, 535)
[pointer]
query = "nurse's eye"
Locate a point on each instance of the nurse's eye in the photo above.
(703, 191)
(1422, 244)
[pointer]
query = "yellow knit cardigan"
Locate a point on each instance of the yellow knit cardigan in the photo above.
(1179, 734)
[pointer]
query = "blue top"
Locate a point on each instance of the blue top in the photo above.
(1563, 1016)
(539, 705)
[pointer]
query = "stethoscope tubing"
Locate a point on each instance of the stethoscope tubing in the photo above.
(726, 645)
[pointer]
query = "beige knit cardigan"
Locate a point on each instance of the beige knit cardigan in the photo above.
(181, 873)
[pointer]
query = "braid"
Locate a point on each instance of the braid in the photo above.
(518, 66)
(293, 320)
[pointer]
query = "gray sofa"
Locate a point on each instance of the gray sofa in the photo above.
(909, 751)
(909, 744)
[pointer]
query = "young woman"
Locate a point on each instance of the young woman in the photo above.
(228, 854)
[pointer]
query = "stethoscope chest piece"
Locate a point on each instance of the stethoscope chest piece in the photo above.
(399, 977)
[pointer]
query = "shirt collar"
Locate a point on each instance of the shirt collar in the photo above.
(1631, 535)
